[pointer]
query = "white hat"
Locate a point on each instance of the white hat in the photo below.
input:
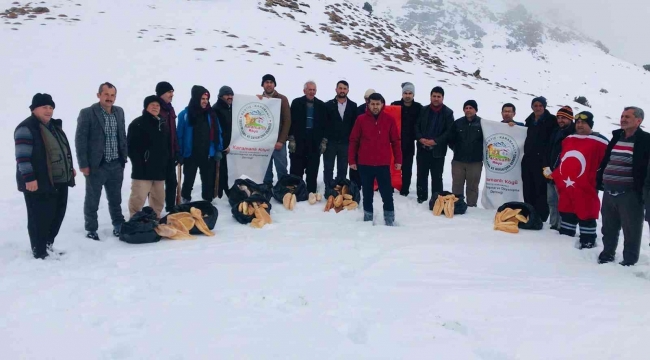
(368, 93)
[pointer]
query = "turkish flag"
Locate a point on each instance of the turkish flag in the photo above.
(575, 176)
(395, 175)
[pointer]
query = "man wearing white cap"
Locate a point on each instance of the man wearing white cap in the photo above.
(362, 108)
(410, 112)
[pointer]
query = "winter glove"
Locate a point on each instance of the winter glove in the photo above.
(292, 144)
(323, 146)
(547, 173)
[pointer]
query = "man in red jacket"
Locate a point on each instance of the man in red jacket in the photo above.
(372, 137)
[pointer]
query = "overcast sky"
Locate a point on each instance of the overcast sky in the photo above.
(622, 25)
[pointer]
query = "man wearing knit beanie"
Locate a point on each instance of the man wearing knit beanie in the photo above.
(44, 172)
(410, 112)
(148, 144)
(279, 156)
(540, 124)
(466, 140)
(223, 108)
(575, 180)
(165, 92)
(564, 129)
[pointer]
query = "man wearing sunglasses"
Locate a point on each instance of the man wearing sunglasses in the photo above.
(622, 175)
(575, 180)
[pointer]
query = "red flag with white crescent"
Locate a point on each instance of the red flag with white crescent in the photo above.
(575, 176)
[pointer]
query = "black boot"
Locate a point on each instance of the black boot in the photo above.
(93, 235)
(389, 218)
(605, 258)
(367, 216)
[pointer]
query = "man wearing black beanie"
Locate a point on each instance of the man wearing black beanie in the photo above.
(44, 182)
(165, 92)
(466, 140)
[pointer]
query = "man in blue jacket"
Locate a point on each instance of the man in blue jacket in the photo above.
(199, 139)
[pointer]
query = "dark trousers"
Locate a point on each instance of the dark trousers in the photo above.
(622, 211)
(339, 153)
(207, 169)
(382, 174)
(307, 161)
(108, 176)
(427, 164)
(408, 152)
(223, 177)
(534, 187)
(45, 213)
(569, 223)
(171, 184)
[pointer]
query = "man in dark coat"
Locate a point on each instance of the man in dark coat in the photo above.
(622, 176)
(307, 135)
(44, 171)
(432, 134)
(565, 128)
(165, 91)
(223, 108)
(148, 143)
(100, 142)
(466, 139)
(537, 148)
(410, 111)
(341, 115)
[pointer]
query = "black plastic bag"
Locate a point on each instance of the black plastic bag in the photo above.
(534, 221)
(298, 188)
(206, 209)
(243, 188)
(460, 207)
(140, 228)
(245, 218)
(353, 189)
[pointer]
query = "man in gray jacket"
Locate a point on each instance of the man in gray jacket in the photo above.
(100, 142)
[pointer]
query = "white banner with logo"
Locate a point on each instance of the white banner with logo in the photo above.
(255, 125)
(503, 148)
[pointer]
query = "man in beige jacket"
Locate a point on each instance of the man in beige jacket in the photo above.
(279, 156)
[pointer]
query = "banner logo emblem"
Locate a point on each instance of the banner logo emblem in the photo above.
(501, 153)
(255, 121)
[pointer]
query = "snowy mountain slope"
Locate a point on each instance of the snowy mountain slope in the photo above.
(312, 285)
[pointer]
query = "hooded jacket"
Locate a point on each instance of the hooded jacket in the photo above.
(192, 113)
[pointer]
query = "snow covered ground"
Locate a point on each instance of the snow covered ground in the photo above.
(313, 285)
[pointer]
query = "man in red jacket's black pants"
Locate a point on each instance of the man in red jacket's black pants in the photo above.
(373, 136)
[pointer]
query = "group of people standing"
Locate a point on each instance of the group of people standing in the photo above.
(363, 140)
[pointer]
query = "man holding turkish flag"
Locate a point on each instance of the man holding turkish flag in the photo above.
(575, 179)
